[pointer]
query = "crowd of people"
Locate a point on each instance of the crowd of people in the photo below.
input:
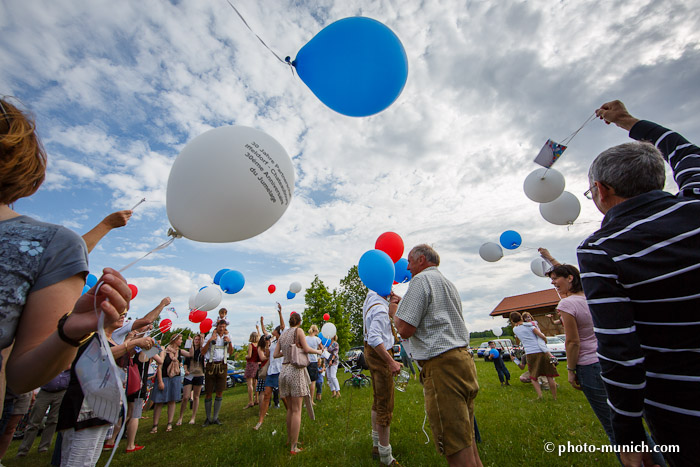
(630, 320)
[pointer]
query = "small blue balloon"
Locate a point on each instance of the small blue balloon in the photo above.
(376, 271)
(510, 239)
(324, 340)
(291, 295)
(85, 289)
(402, 273)
(218, 275)
(494, 353)
(91, 280)
(356, 66)
(232, 281)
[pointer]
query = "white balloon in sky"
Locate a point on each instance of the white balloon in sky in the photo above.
(295, 287)
(328, 330)
(229, 184)
(191, 301)
(208, 298)
(544, 185)
(497, 331)
(562, 211)
(491, 252)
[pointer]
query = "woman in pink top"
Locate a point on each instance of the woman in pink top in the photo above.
(582, 363)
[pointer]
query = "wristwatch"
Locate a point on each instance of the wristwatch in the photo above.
(66, 339)
(571, 369)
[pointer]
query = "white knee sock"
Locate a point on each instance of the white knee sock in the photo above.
(375, 438)
(385, 454)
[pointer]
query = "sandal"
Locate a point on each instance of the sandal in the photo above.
(192, 422)
(154, 430)
(178, 423)
(169, 427)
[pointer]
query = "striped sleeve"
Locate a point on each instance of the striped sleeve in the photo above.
(682, 156)
(621, 357)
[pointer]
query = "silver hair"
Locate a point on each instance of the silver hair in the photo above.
(631, 169)
(426, 250)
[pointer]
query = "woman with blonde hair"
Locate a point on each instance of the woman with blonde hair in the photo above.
(252, 366)
(294, 380)
(42, 272)
(315, 343)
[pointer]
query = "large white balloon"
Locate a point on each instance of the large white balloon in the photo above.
(540, 267)
(491, 252)
(229, 184)
(208, 298)
(497, 331)
(295, 287)
(328, 330)
(563, 210)
(544, 185)
(191, 301)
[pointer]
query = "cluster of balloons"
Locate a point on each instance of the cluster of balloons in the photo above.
(230, 281)
(356, 66)
(380, 268)
(492, 252)
(546, 186)
(294, 289)
(229, 184)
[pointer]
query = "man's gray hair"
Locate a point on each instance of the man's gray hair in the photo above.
(426, 250)
(631, 169)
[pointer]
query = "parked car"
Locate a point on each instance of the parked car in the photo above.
(233, 375)
(504, 346)
(557, 347)
(396, 351)
(352, 354)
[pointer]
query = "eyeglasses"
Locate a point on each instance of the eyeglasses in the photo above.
(589, 194)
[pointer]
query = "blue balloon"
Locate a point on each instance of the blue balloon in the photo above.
(376, 270)
(324, 340)
(494, 353)
(402, 273)
(232, 281)
(356, 66)
(217, 277)
(91, 280)
(510, 239)
(85, 289)
(291, 295)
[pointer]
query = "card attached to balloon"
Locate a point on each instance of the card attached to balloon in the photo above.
(550, 153)
(100, 381)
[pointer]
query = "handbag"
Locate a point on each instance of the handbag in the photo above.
(133, 379)
(297, 356)
(262, 372)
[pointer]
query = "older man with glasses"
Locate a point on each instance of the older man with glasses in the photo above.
(641, 277)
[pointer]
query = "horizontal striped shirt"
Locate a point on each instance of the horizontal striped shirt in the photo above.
(641, 276)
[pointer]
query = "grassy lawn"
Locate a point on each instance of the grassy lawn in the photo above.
(514, 428)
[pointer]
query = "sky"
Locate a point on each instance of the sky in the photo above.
(119, 88)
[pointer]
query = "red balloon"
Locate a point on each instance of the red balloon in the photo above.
(134, 291)
(197, 316)
(272, 288)
(205, 326)
(391, 244)
(326, 317)
(165, 325)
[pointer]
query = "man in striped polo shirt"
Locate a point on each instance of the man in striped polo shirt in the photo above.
(641, 276)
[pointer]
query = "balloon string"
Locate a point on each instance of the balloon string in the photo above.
(287, 61)
(159, 247)
(568, 139)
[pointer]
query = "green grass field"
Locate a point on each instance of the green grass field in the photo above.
(514, 429)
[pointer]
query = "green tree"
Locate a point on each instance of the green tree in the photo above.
(352, 295)
(319, 301)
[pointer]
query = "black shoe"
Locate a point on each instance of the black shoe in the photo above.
(206, 423)
(216, 422)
